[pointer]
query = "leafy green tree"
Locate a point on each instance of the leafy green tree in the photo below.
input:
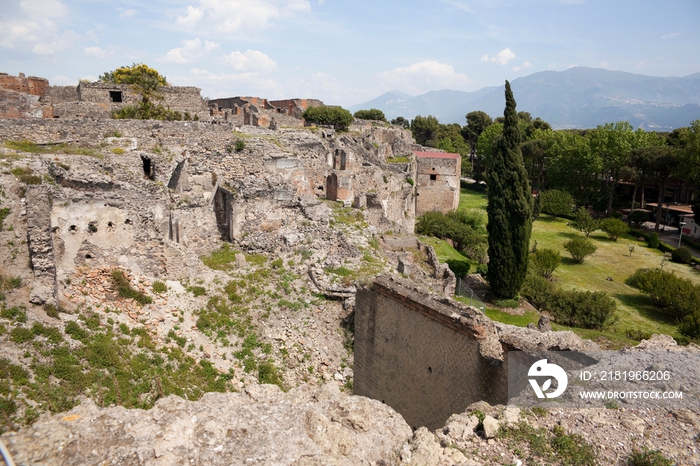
(424, 128)
(534, 155)
(614, 227)
(401, 121)
(659, 162)
(571, 165)
(584, 222)
(477, 122)
(371, 114)
(509, 208)
(485, 148)
(614, 143)
(556, 202)
(534, 125)
(337, 117)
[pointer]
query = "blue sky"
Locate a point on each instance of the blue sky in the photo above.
(345, 52)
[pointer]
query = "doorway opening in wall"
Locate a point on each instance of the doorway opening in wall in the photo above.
(223, 210)
(433, 177)
(149, 168)
(332, 187)
(115, 96)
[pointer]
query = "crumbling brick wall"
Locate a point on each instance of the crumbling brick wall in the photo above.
(31, 85)
(295, 107)
(424, 358)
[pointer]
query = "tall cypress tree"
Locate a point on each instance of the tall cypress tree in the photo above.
(509, 208)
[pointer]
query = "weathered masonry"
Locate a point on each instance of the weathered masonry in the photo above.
(429, 357)
(424, 358)
(437, 181)
(32, 97)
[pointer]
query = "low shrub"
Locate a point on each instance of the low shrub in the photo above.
(579, 248)
(584, 222)
(648, 457)
(653, 241)
(125, 290)
(679, 297)
(371, 114)
(556, 202)
(337, 117)
(538, 291)
(464, 228)
(638, 217)
(544, 262)
(690, 325)
(159, 287)
(583, 309)
(614, 228)
(460, 268)
(681, 255)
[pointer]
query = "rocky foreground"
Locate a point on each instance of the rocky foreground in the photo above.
(312, 425)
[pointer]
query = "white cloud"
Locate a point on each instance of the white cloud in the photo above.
(671, 35)
(250, 60)
(503, 57)
(235, 16)
(189, 52)
(424, 76)
(526, 64)
(35, 29)
(126, 12)
(95, 52)
(62, 42)
(61, 80)
(44, 8)
(192, 18)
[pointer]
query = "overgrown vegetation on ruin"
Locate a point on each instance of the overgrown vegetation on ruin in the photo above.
(93, 356)
(62, 148)
(337, 117)
(553, 447)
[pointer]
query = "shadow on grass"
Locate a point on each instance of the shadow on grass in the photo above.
(548, 218)
(645, 307)
(568, 261)
(567, 234)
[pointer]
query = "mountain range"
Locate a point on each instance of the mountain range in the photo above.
(579, 97)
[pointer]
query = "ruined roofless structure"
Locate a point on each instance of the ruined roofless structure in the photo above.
(33, 97)
(437, 181)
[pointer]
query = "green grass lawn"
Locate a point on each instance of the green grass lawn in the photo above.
(611, 260)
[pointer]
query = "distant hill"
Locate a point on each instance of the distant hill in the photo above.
(576, 98)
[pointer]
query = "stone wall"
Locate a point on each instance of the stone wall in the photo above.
(424, 358)
(295, 107)
(15, 104)
(62, 94)
(437, 182)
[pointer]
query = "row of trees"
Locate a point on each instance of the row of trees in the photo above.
(586, 163)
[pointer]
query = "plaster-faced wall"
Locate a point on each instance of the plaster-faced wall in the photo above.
(437, 182)
(422, 357)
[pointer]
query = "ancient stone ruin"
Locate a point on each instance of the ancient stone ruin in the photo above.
(285, 260)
